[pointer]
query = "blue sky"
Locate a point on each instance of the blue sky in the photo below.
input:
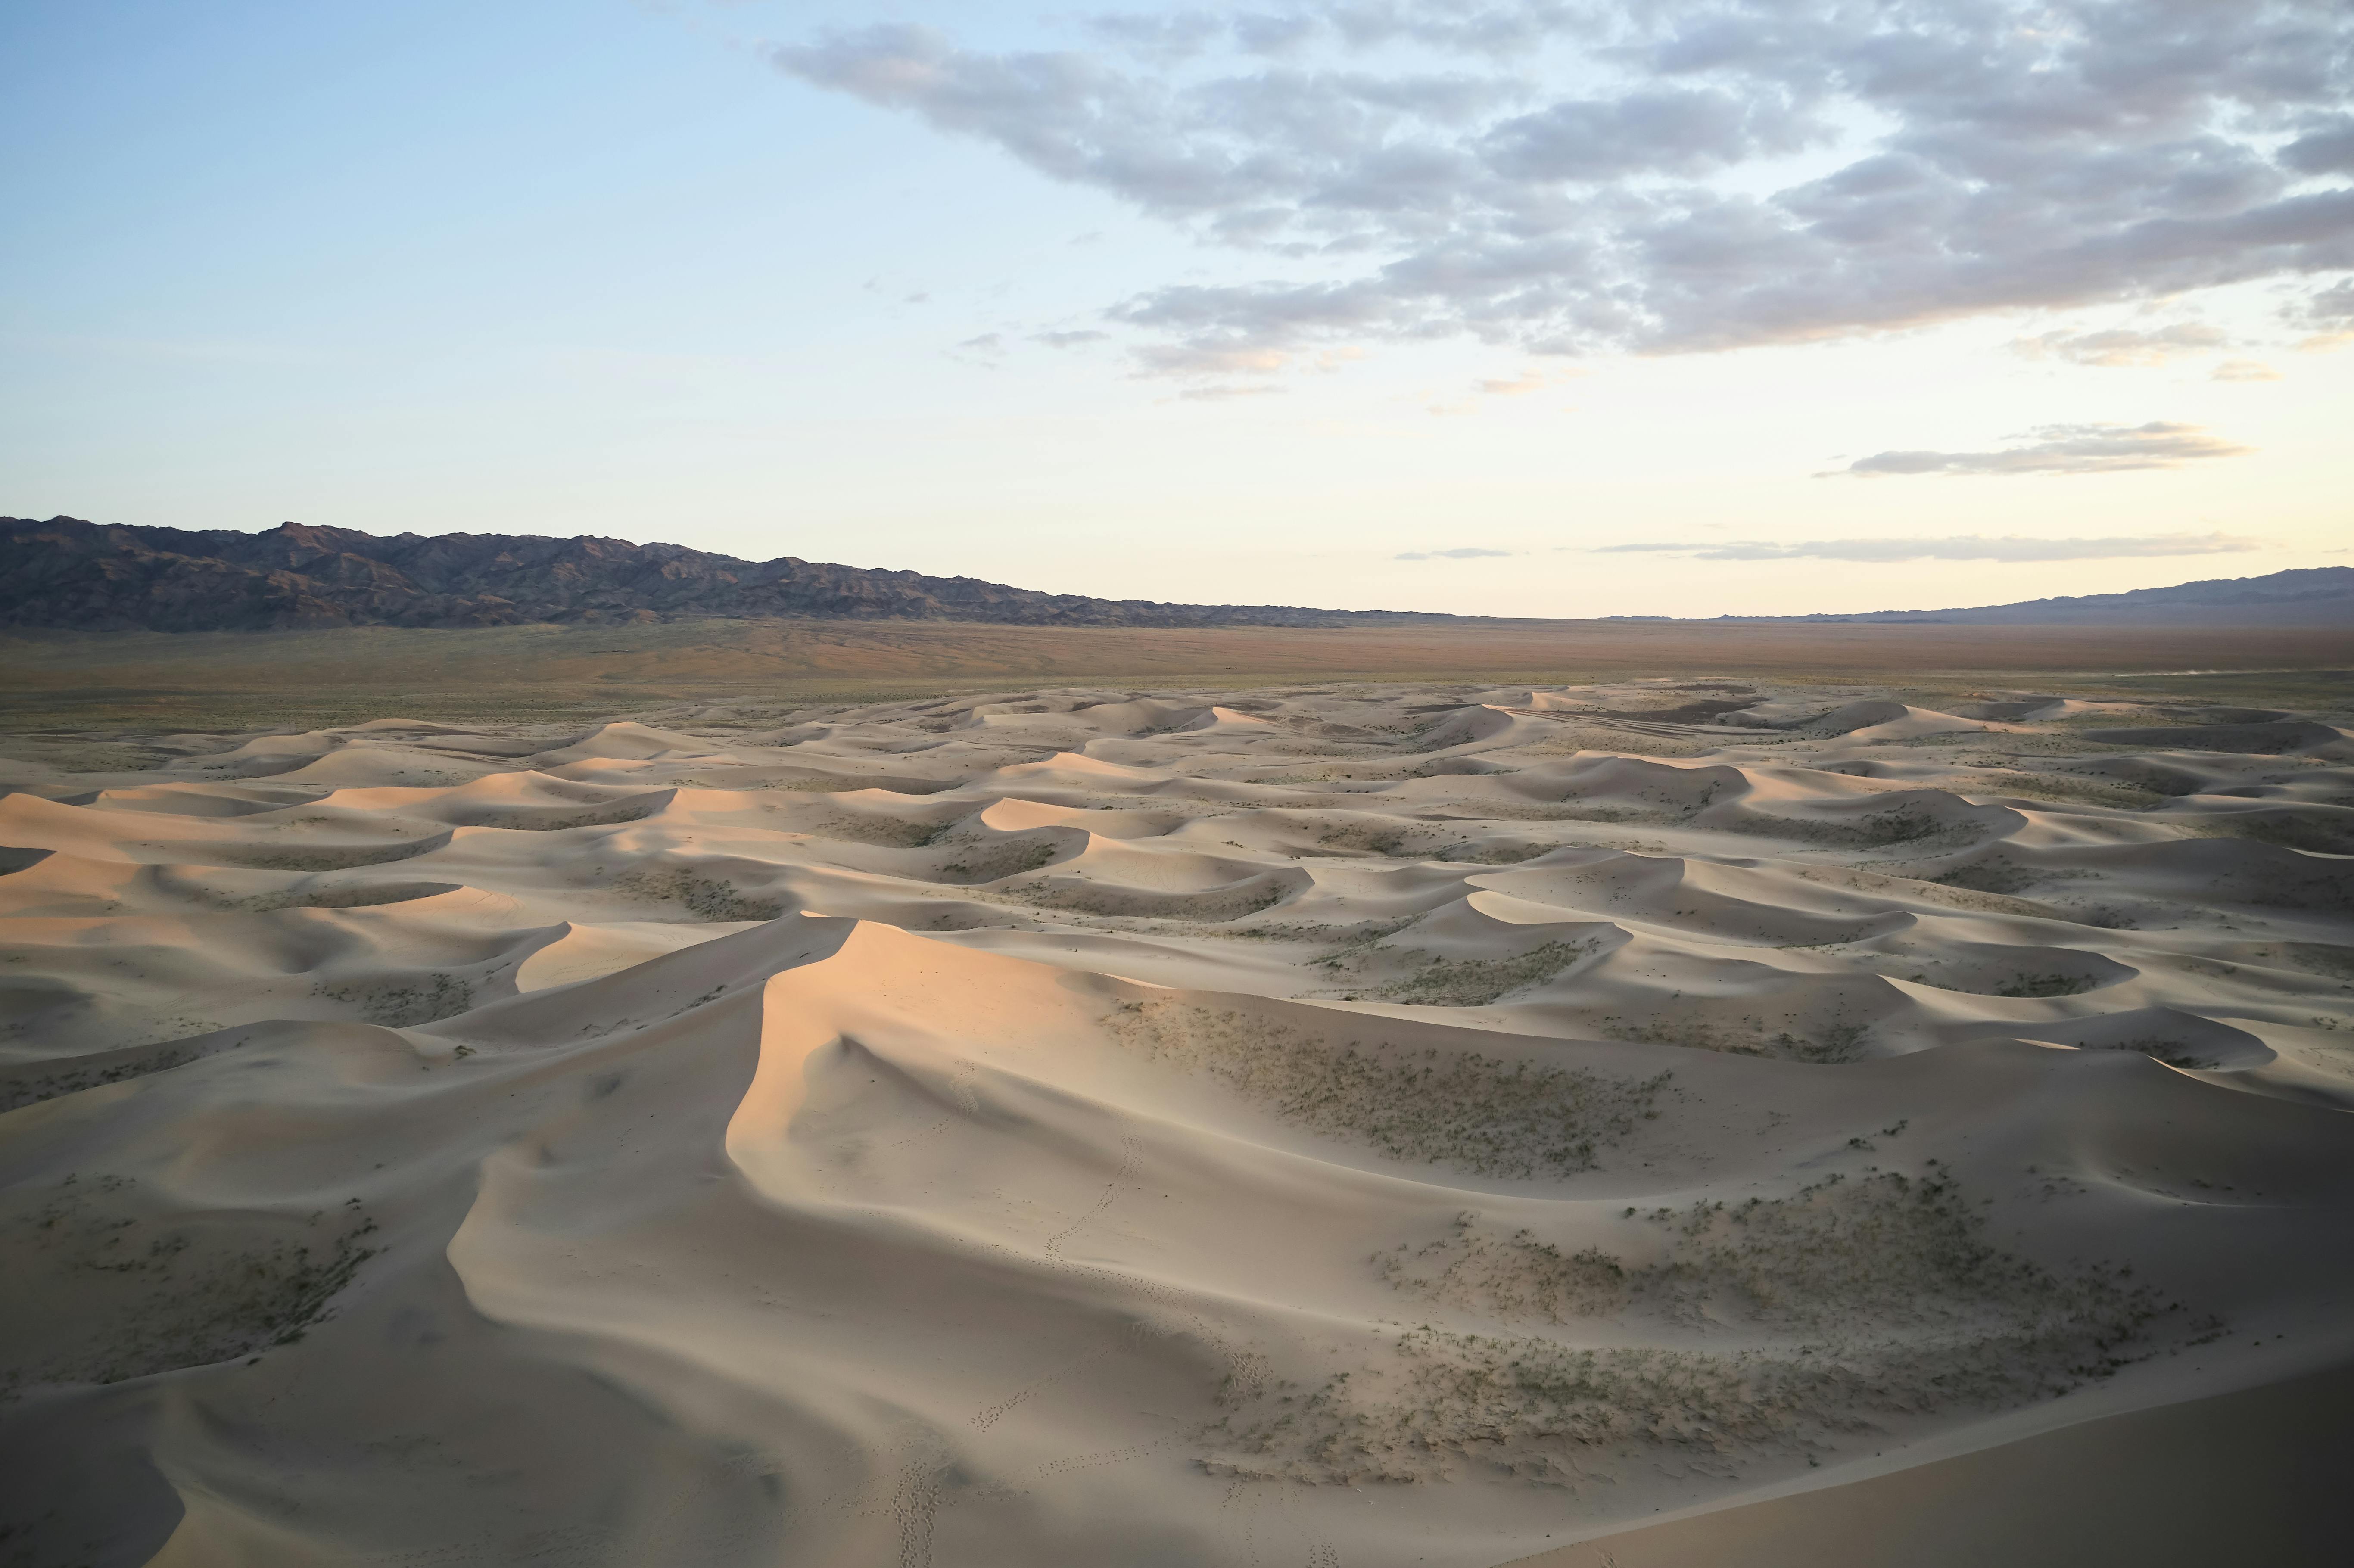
(1502, 306)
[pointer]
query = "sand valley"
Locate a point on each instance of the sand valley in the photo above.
(1344, 1124)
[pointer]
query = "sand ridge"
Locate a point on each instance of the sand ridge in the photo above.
(1347, 1124)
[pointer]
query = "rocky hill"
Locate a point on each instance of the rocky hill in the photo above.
(67, 573)
(2315, 596)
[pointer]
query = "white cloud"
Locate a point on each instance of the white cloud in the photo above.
(2061, 448)
(1520, 386)
(1459, 553)
(1211, 359)
(2123, 346)
(2244, 370)
(1960, 547)
(2330, 314)
(1220, 393)
(1577, 175)
(988, 350)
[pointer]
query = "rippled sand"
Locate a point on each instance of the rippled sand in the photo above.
(1356, 1125)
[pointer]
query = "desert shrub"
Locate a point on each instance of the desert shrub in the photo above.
(995, 862)
(345, 857)
(596, 817)
(405, 1002)
(2043, 985)
(2173, 1052)
(704, 898)
(1475, 982)
(364, 896)
(1857, 1301)
(1994, 875)
(110, 1289)
(24, 1088)
(1458, 1108)
(1826, 1045)
(1386, 839)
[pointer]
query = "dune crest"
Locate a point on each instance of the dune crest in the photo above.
(1338, 1125)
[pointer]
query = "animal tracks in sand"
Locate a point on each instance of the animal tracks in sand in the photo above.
(1131, 1155)
(1090, 1125)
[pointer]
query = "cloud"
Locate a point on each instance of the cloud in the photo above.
(1210, 359)
(1461, 554)
(1574, 176)
(1960, 547)
(2244, 370)
(2332, 306)
(2326, 148)
(1067, 339)
(1520, 386)
(2061, 448)
(2121, 346)
(986, 350)
(1219, 394)
(2329, 313)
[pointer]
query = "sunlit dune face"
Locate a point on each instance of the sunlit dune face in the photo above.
(1580, 1102)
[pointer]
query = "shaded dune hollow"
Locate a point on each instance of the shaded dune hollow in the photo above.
(1333, 1125)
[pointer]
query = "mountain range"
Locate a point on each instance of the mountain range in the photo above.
(2313, 596)
(67, 574)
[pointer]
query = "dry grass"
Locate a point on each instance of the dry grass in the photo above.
(1476, 982)
(1455, 1109)
(365, 896)
(557, 673)
(404, 1001)
(108, 1287)
(1851, 1303)
(325, 857)
(703, 897)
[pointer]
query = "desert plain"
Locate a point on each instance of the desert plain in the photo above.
(1880, 1104)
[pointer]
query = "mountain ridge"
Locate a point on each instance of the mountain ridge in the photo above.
(2312, 596)
(68, 573)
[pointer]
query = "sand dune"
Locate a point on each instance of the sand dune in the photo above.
(1359, 1124)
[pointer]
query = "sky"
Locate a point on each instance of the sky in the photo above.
(1510, 307)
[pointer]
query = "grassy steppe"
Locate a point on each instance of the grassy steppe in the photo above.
(245, 679)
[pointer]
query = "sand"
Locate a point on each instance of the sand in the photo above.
(1652, 1123)
(575, 673)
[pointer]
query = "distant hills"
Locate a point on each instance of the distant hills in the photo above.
(68, 573)
(2316, 596)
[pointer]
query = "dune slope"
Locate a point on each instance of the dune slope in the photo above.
(1359, 1124)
